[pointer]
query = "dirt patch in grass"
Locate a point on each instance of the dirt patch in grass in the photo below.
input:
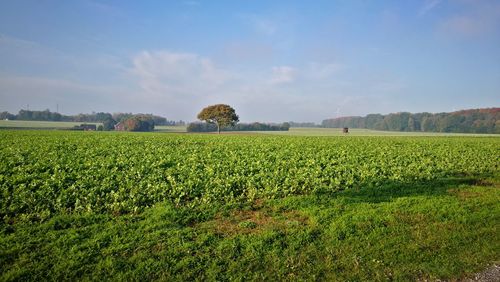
(466, 194)
(253, 221)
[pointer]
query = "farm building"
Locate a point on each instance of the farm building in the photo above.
(120, 126)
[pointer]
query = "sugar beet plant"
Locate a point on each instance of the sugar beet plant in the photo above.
(43, 172)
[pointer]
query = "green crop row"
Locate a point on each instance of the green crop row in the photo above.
(43, 172)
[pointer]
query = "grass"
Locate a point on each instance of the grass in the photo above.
(308, 131)
(294, 131)
(173, 129)
(27, 124)
(445, 229)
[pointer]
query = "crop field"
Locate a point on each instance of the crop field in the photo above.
(130, 206)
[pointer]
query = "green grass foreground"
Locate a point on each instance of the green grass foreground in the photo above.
(444, 229)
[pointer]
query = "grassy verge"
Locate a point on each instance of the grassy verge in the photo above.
(172, 129)
(443, 229)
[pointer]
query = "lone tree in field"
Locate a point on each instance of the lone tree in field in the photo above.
(220, 114)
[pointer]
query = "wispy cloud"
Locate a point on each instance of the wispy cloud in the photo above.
(181, 83)
(283, 74)
(428, 6)
(104, 8)
(172, 73)
(42, 93)
(474, 18)
(249, 51)
(320, 71)
(260, 24)
(21, 55)
(178, 84)
(191, 3)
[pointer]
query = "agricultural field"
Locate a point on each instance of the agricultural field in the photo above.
(32, 124)
(171, 128)
(317, 131)
(130, 206)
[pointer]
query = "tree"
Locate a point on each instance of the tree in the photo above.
(220, 114)
(108, 124)
(139, 123)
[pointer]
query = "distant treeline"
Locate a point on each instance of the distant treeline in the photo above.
(302, 124)
(465, 121)
(47, 115)
(256, 126)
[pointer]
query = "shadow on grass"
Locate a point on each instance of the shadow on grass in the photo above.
(391, 190)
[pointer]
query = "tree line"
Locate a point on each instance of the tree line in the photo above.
(466, 121)
(47, 115)
(256, 126)
(101, 117)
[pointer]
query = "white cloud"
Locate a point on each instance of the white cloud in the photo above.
(428, 6)
(265, 26)
(171, 74)
(283, 74)
(178, 84)
(183, 83)
(320, 71)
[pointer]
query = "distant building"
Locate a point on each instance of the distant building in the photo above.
(120, 126)
(85, 127)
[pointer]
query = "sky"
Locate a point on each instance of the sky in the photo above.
(272, 61)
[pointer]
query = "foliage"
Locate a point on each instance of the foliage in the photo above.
(256, 126)
(139, 123)
(466, 121)
(201, 127)
(99, 117)
(38, 115)
(108, 124)
(302, 124)
(220, 114)
(44, 173)
(7, 116)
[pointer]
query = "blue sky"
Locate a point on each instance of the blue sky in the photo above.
(271, 60)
